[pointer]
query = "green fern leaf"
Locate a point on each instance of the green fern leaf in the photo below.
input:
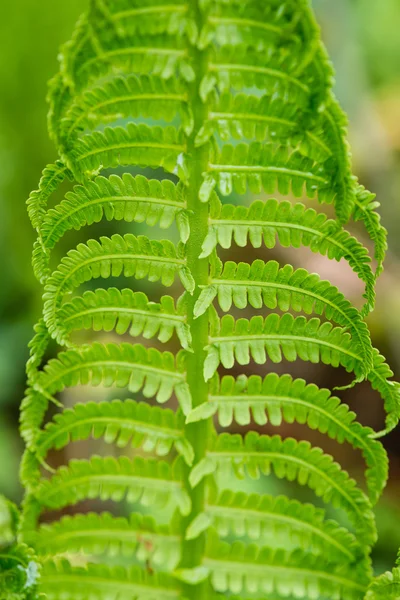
(137, 144)
(128, 198)
(100, 48)
(96, 534)
(273, 119)
(239, 67)
(262, 167)
(125, 310)
(62, 581)
(276, 338)
(37, 347)
(380, 379)
(293, 225)
(52, 177)
(234, 96)
(243, 116)
(124, 97)
(249, 568)
(148, 481)
(157, 374)
(295, 461)
(292, 338)
(385, 587)
(365, 212)
(277, 399)
(131, 256)
(281, 523)
(129, 422)
(265, 284)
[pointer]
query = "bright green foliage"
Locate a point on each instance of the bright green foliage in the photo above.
(293, 226)
(62, 581)
(387, 586)
(229, 102)
(19, 568)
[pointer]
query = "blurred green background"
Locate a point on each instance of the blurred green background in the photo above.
(364, 43)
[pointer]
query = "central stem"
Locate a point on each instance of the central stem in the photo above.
(197, 433)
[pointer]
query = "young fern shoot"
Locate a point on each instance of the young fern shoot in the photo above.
(230, 102)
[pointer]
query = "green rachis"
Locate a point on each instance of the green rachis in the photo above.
(231, 103)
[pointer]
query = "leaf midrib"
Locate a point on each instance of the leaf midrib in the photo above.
(254, 567)
(114, 363)
(131, 144)
(131, 50)
(266, 169)
(122, 479)
(290, 288)
(134, 425)
(279, 337)
(246, 22)
(124, 309)
(110, 533)
(106, 582)
(133, 12)
(256, 69)
(106, 199)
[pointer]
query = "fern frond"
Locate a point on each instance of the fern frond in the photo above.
(274, 119)
(249, 568)
(125, 198)
(380, 379)
(52, 177)
(295, 461)
(95, 52)
(62, 581)
(295, 338)
(292, 225)
(261, 167)
(271, 118)
(276, 338)
(248, 116)
(277, 399)
(123, 97)
(135, 423)
(37, 348)
(333, 130)
(268, 27)
(148, 17)
(131, 256)
(125, 310)
(266, 284)
(233, 96)
(256, 26)
(156, 374)
(278, 522)
(365, 212)
(241, 67)
(148, 481)
(139, 145)
(96, 534)
(385, 587)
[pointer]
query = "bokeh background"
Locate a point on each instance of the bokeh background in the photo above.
(363, 39)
